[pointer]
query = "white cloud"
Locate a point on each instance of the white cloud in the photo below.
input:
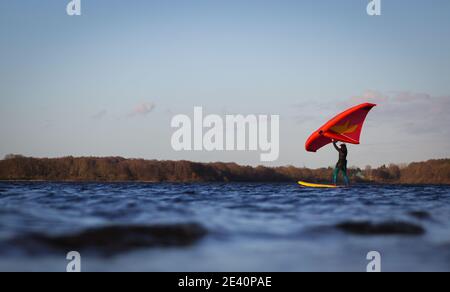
(142, 109)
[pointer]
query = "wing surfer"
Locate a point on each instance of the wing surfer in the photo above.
(342, 163)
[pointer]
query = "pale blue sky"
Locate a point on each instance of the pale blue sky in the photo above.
(70, 85)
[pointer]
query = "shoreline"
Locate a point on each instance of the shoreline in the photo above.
(210, 182)
(121, 170)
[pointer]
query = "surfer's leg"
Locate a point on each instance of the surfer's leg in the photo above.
(346, 179)
(335, 175)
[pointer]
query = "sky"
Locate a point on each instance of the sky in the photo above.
(108, 82)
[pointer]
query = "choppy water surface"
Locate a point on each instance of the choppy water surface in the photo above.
(223, 227)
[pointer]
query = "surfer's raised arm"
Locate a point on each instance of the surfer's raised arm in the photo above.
(336, 146)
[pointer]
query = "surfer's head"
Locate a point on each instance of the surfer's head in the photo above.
(343, 146)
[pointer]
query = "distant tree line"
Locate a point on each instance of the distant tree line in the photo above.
(117, 169)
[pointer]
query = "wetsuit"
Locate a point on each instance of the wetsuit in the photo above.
(341, 165)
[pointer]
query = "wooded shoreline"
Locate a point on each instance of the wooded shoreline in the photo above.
(117, 169)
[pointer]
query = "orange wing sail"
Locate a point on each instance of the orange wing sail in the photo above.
(345, 127)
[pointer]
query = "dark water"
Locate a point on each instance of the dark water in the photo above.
(223, 227)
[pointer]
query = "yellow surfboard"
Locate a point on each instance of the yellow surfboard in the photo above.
(320, 186)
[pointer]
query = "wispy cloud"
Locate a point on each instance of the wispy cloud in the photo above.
(99, 115)
(407, 112)
(372, 96)
(142, 109)
(418, 113)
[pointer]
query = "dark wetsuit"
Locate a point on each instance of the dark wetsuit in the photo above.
(341, 165)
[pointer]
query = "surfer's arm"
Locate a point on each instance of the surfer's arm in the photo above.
(336, 147)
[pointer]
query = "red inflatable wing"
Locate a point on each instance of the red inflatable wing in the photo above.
(345, 127)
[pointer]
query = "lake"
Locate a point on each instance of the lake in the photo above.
(222, 227)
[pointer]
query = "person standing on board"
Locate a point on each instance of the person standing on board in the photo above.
(342, 163)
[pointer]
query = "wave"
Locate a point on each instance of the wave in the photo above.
(384, 228)
(110, 240)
